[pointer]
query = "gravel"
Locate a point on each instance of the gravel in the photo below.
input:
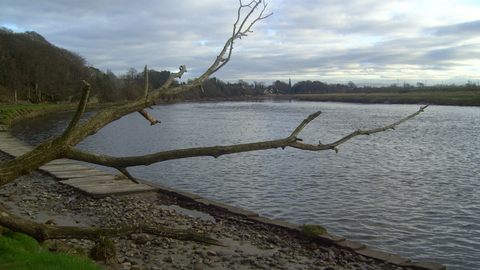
(249, 245)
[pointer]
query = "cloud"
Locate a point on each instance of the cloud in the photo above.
(465, 28)
(334, 41)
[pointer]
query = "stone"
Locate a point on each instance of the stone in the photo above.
(141, 240)
(211, 253)
(126, 265)
(351, 245)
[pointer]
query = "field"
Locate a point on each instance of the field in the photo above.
(471, 98)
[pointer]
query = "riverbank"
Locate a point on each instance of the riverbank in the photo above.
(256, 245)
(10, 114)
(470, 98)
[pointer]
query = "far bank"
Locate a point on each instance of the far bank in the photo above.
(11, 114)
(467, 98)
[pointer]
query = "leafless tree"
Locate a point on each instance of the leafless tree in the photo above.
(63, 145)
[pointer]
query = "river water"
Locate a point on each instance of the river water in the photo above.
(413, 191)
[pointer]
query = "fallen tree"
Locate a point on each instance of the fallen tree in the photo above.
(63, 146)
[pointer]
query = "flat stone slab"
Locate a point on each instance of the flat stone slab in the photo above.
(176, 192)
(101, 191)
(15, 151)
(92, 177)
(379, 255)
(61, 162)
(12, 145)
(7, 139)
(104, 184)
(54, 168)
(95, 182)
(277, 223)
(80, 174)
(85, 182)
(329, 238)
(351, 245)
(228, 208)
(103, 187)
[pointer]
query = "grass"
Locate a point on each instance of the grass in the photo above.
(470, 98)
(30, 106)
(310, 231)
(11, 113)
(20, 252)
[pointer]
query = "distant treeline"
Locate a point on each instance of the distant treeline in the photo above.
(33, 69)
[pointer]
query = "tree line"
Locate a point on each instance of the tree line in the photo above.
(32, 69)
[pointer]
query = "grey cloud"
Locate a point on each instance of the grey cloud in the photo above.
(465, 28)
(303, 37)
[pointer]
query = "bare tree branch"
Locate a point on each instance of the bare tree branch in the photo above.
(125, 172)
(150, 118)
(241, 31)
(335, 145)
(216, 151)
(145, 87)
(80, 109)
(42, 232)
(225, 55)
(76, 133)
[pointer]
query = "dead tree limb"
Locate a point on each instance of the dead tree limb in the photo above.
(75, 133)
(150, 119)
(42, 232)
(63, 145)
(216, 151)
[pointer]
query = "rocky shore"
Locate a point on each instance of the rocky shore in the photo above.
(248, 245)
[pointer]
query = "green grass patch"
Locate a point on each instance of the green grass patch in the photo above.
(20, 252)
(9, 114)
(310, 231)
(30, 106)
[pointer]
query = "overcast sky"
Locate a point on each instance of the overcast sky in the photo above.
(364, 41)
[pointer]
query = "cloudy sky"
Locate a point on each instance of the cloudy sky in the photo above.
(364, 41)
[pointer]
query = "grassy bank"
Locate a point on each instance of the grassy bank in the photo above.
(10, 114)
(19, 251)
(439, 98)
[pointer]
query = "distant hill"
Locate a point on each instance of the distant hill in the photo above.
(31, 68)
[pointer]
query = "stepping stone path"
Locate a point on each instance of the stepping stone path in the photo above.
(95, 183)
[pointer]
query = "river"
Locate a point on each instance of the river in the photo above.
(413, 191)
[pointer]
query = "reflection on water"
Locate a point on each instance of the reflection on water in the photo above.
(413, 191)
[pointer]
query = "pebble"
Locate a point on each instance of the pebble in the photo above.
(252, 245)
